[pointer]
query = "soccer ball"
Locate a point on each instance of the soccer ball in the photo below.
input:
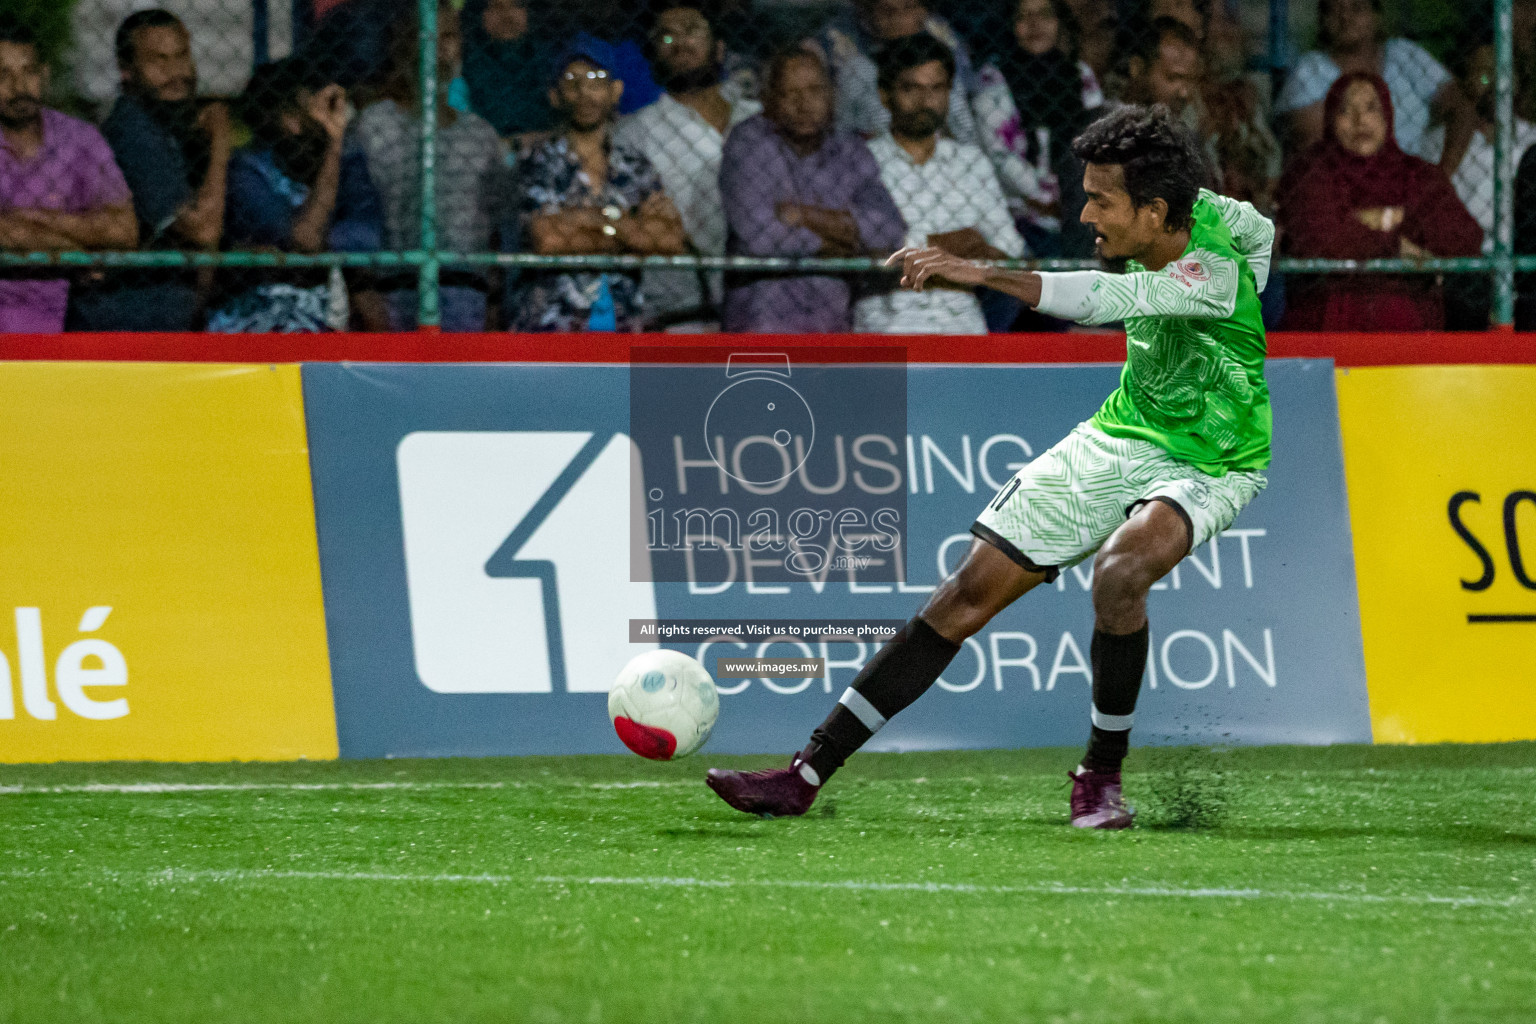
(663, 705)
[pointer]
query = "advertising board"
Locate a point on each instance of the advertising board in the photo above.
(476, 527)
(160, 597)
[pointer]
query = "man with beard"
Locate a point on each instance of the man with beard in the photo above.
(947, 193)
(794, 187)
(851, 45)
(683, 135)
(174, 157)
(296, 188)
(60, 189)
(584, 192)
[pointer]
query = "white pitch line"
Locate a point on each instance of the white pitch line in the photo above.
(956, 888)
(139, 788)
(133, 788)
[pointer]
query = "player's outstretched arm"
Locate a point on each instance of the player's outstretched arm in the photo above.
(1202, 288)
(923, 264)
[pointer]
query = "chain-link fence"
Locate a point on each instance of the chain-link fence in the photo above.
(536, 165)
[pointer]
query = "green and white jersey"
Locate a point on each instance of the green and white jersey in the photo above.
(1193, 382)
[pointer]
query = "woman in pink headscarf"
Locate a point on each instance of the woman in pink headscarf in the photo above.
(1356, 195)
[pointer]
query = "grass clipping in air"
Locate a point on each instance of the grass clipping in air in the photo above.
(1185, 788)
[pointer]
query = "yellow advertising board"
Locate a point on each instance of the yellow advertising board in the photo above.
(159, 575)
(1441, 466)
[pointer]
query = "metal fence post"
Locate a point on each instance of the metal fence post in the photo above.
(1503, 166)
(427, 314)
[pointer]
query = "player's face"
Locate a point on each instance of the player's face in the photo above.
(1121, 230)
(1361, 126)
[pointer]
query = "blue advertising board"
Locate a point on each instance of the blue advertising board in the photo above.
(477, 531)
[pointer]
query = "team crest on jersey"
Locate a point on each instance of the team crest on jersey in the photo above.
(1192, 270)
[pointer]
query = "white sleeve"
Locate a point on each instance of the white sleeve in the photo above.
(1200, 286)
(1069, 294)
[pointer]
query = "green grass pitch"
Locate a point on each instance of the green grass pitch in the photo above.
(1348, 884)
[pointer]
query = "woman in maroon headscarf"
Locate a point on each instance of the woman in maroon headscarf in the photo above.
(1355, 195)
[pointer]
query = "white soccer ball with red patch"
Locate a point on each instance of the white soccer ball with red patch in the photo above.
(663, 705)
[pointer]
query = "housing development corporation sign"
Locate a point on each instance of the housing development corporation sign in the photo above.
(478, 525)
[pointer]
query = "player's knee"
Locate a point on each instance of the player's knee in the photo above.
(961, 606)
(1119, 577)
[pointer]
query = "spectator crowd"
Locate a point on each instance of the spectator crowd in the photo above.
(597, 130)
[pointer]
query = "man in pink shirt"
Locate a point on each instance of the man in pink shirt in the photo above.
(60, 188)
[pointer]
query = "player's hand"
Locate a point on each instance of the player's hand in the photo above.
(920, 264)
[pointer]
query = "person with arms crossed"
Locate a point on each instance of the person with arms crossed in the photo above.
(60, 189)
(585, 192)
(794, 186)
(946, 191)
(1165, 465)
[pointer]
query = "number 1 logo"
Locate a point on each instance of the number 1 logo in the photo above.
(517, 558)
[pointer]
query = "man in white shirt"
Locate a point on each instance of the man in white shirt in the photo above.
(683, 134)
(1473, 177)
(1469, 297)
(947, 193)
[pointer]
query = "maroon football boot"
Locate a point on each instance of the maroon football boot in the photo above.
(1097, 801)
(775, 793)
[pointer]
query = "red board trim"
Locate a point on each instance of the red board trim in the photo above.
(423, 347)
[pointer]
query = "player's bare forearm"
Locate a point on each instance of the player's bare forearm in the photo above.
(1021, 284)
(920, 266)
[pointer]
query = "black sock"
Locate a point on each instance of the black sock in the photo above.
(898, 674)
(1118, 662)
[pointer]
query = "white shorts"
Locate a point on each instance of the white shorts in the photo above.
(1064, 505)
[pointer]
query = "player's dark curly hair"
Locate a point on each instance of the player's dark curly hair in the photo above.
(1159, 156)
